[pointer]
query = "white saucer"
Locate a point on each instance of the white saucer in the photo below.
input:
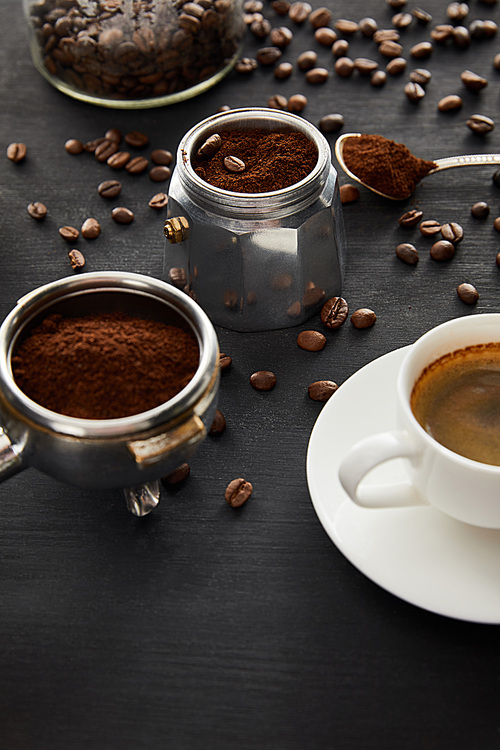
(419, 554)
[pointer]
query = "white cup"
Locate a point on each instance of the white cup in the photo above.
(464, 489)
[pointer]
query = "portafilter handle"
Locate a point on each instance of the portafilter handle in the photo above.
(142, 498)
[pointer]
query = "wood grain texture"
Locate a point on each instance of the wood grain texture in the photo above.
(201, 627)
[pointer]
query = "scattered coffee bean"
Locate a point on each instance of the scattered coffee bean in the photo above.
(114, 134)
(280, 37)
(386, 35)
(136, 139)
(442, 33)
(378, 78)
(299, 12)
(414, 91)
(260, 28)
(390, 49)
(321, 390)
(311, 341)
(316, 76)
(430, 227)
(480, 124)
(238, 492)
(334, 312)
(452, 232)
(160, 173)
(210, 147)
(70, 234)
(297, 103)
(218, 425)
(457, 11)
(364, 65)
(368, 27)
(263, 380)
(408, 253)
(73, 146)
(461, 37)
(137, 165)
(225, 362)
(422, 16)
(396, 66)
(76, 259)
(473, 81)
(105, 149)
(363, 318)
(344, 26)
(422, 50)
(320, 17)
(402, 20)
(283, 70)
(118, 160)
(497, 259)
(178, 475)
(468, 293)
(16, 152)
(109, 189)
(450, 103)
(268, 55)
(307, 60)
(340, 48)
(233, 164)
(90, 146)
(410, 218)
(158, 201)
(480, 210)
(344, 67)
(442, 250)
(496, 224)
(349, 193)
(91, 229)
(331, 123)
(162, 157)
(278, 101)
(325, 36)
(281, 7)
(246, 65)
(37, 210)
(422, 76)
(122, 215)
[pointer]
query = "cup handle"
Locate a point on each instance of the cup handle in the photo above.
(369, 453)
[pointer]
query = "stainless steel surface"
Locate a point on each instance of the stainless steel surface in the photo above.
(447, 162)
(113, 452)
(142, 499)
(257, 261)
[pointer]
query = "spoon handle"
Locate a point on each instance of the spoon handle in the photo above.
(471, 160)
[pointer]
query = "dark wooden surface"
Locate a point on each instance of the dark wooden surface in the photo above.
(201, 627)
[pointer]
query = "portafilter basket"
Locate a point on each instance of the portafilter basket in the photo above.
(131, 452)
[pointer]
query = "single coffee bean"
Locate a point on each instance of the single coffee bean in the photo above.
(429, 227)
(496, 61)
(450, 103)
(368, 26)
(480, 124)
(476, 29)
(268, 55)
(408, 253)
(497, 259)
(452, 232)
(37, 210)
(490, 29)
(91, 229)
(480, 210)
(233, 164)
(396, 66)
(410, 218)
(363, 318)
(402, 20)
(114, 134)
(344, 67)
(344, 26)
(122, 215)
(317, 75)
(263, 380)
(364, 65)
(386, 35)
(320, 17)
(307, 60)
(468, 293)
(278, 101)
(159, 200)
(422, 76)
(178, 475)
(422, 16)
(70, 234)
(90, 146)
(457, 11)
(109, 189)
(390, 49)
(349, 193)
(496, 224)
(396, 4)
(325, 36)
(297, 103)
(210, 147)
(218, 425)
(238, 492)
(281, 7)
(461, 37)
(321, 390)
(299, 12)
(73, 146)
(260, 28)
(280, 37)
(442, 250)
(76, 259)
(473, 81)
(162, 157)
(311, 341)
(422, 50)
(283, 70)
(16, 152)
(334, 312)
(378, 78)
(246, 65)
(159, 173)
(137, 165)
(105, 149)
(331, 123)
(225, 362)
(414, 91)
(118, 160)
(340, 48)
(136, 139)
(442, 33)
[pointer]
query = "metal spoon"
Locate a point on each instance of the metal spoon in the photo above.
(471, 160)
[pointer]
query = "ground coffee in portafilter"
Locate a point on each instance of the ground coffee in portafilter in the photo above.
(104, 366)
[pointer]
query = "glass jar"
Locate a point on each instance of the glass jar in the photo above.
(255, 261)
(134, 53)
